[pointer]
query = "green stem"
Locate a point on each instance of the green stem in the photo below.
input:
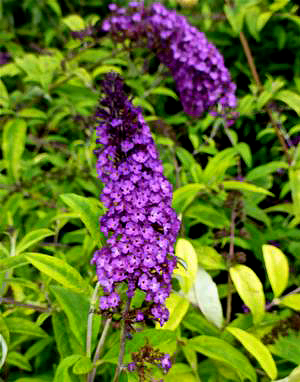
(12, 252)
(122, 342)
(92, 374)
(229, 263)
(259, 85)
(90, 320)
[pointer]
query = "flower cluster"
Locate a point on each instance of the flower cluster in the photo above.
(147, 355)
(202, 80)
(140, 224)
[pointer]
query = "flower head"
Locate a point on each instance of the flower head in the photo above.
(140, 224)
(202, 80)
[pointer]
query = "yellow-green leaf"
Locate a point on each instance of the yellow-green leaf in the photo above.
(291, 98)
(88, 211)
(25, 327)
(184, 195)
(257, 349)
(12, 262)
(250, 289)
(59, 270)
(13, 144)
(277, 268)
(294, 178)
(74, 22)
(186, 253)
(32, 237)
(178, 307)
(244, 186)
(292, 301)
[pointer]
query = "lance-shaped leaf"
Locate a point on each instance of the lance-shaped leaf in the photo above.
(178, 307)
(3, 351)
(220, 350)
(244, 186)
(88, 211)
(292, 301)
(277, 268)
(257, 349)
(184, 196)
(13, 143)
(207, 297)
(186, 252)
(294, 178)
(32, 237)
(250, 290)
(59, 270)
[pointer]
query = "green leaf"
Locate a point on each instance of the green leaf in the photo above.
(62, 371)
(220, 350)
(19, 360)
(12, 262)
(54, 5)
(31, 238)
(196, 322)
(207, 297)
(103, 69)
(265, 169)
(218, 165)
(209, 258)
(158, 338)
(287, 347)
(9, 69)
(62, 334)
(32, 113)
(250, 289)
(186, 252)
(244, 186)
(235, 16)
(178, 307)
(262, 19)
(4, 97)
(25, 327)
(38, 347)
(162, 90)
(294, 178)
(257, 349)
(184, 196)
(77, 318)
(244, 150)
(43, 378)
(83, 366)
(185, 157)
(277, 268)
(203, 213)
(13, 144)
(141, 102)
(289, 97)
(59, 270)
(180, 372)
(251, 21)
(74, 22)
(292, 301)
(3, 351)
(88, 211)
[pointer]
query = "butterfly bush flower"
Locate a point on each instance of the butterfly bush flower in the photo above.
(202, 80)
(140, 225)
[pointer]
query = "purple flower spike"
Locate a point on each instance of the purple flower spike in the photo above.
(202, 80)
(140, 224)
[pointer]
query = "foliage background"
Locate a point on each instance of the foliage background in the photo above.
(236, 190)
